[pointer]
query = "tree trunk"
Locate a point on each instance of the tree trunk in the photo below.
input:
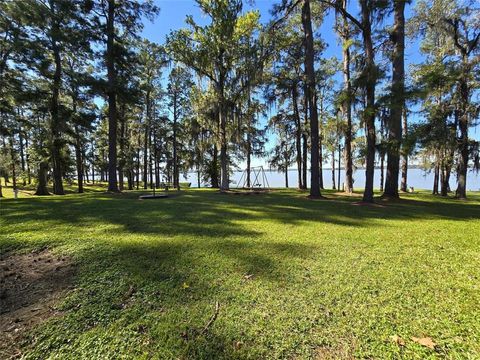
(157, 165)
(175, 155)
(305, 160)
(78, 160)
(286, 168)
(403, 186)
(223, 145)
(369, 112)
(93, 169)
(150, 160)
(42, 179)
(444, 178)
(396, 101)
(298, 136)
(339, 164)
(121, 162)
(29, 175)
(112, 100)
(461, 192)
(347, 105)
(382, 175)
(312, 96)
(12, 156)
(249, 159)
(435, 179)
(54, 109)
(214, 175)
(333, 170)
(305, 140)
(22, 156)
(145, 142)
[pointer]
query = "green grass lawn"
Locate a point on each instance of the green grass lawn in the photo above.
(294, 278)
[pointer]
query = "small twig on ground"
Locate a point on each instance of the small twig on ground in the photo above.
(212, 319)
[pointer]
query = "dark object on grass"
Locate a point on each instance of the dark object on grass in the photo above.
(157, 196)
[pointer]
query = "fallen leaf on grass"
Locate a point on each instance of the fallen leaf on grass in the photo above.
(237, 345)
(397, 340)
(425, 341)
(185, 286)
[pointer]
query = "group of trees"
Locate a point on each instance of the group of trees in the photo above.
(83, 96)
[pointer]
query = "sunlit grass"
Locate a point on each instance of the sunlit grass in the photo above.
(294, 278)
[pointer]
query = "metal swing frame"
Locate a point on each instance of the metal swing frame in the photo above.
(259, 177)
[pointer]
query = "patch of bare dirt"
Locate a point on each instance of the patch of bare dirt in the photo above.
(333, 353)
(30, 286)
(342, 193)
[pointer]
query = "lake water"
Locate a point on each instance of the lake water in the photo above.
(417, 178)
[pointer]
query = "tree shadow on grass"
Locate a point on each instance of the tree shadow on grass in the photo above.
(180, 256)
(176, 287)
(208, 214)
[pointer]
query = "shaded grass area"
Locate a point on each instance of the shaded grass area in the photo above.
(295, 278)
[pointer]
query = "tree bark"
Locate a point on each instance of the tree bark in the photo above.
(396, 101)
(121, 162)
(347, 106)
(369, 112)
(339, 165)
(403, 186)
(22, 155)
(175, 155)
(444, 179)
(382, 171)
(305, 162)
(333, 170)
(78, 160)
(436, 179)
(12, 156)
(214, 175)
(145, 141)
(298, 135)
(249, 159)
(286, 166)
(150, 160)
(312, 97)
(56, 127)
(305, 140)
(223, 143)
(461, 192)
(27, 158)
(42, 179)
(112, 100)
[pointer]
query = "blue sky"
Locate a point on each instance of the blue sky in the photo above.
(173, 13)
(172, 17)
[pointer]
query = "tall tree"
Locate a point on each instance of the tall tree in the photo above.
(457, 26)
(397, 101)
(178, 92)
(213, 52)
(345, 31)
(311, 95)
(118, 20)
(368, 79)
